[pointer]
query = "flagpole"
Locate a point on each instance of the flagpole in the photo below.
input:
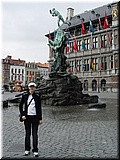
(99, 51)
(75, 50)
(99, 62)
(109, 43)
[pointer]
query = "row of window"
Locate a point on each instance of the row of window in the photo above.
(31, 65)
(31, 73)
(94, 85)
(95, 64)
(44, 73)
(17, 77)
(19, 71)
(30, 79)
(94, 42)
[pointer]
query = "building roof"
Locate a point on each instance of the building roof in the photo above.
(91, 14)
(87, 15)
(45, 65)
(15, 61)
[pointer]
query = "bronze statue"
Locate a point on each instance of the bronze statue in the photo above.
(55, 13)
(58, 46)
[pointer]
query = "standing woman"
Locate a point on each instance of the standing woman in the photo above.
(31, 112)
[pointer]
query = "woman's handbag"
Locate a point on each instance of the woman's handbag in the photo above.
(20, 116)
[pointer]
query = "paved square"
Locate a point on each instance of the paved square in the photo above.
(67, 131)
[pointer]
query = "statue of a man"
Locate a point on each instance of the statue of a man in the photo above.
(55, 13)
(58, 46)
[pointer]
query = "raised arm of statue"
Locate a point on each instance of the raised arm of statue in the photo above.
(54, 12)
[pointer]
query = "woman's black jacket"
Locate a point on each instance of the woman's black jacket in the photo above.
(23, 105)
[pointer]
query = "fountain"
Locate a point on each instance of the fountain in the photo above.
(62, 88)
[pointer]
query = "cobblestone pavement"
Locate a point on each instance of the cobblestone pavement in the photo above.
(66, 132)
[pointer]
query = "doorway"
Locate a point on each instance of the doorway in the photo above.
(94, 85)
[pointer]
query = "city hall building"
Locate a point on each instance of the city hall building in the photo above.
(93, 47)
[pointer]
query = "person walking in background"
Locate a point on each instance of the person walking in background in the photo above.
(31, 112)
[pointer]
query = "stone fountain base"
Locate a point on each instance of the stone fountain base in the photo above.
(65, 89)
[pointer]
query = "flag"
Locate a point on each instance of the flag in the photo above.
(100, 24)
(91, 27)
(102, 43)
(106, 25)
(83, 44)
(109, 39)
(34, 76)
(69, 70)
(75, 46)
(91, 42)
(68, 47)
(83, 63)
(101, 63)
(92, 63)
(83, 28)
(30, 77)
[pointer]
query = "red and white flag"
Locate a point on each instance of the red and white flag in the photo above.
(68, 47)
(106, 25)
(83, 28)
(30, 77)
(75, 46)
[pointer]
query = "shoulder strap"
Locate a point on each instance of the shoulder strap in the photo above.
(30, 102)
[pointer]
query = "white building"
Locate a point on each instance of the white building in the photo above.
(17, 71)
(17, 74)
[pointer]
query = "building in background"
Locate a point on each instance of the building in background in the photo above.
(93, 47)
(5, 73)
(17, 72)
(30, 72)
(43, 69)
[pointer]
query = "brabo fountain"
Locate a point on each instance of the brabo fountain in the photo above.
(63, 88)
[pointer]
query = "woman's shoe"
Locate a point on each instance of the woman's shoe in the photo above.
(35, 154)
(27, 153)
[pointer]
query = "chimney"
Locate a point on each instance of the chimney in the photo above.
(9, 57)
(70, 13)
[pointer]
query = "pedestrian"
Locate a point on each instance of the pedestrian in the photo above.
(31, 113)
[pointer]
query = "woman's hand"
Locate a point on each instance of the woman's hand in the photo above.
(23, 117)
(40, 122)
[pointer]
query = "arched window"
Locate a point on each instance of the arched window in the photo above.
(94, 85)
(103, 85)
(85, 85)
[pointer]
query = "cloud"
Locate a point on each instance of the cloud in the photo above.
(25, 24)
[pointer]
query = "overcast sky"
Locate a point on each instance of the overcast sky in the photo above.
(25, 23)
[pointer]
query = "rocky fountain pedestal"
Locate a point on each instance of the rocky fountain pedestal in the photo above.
(65, 89)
